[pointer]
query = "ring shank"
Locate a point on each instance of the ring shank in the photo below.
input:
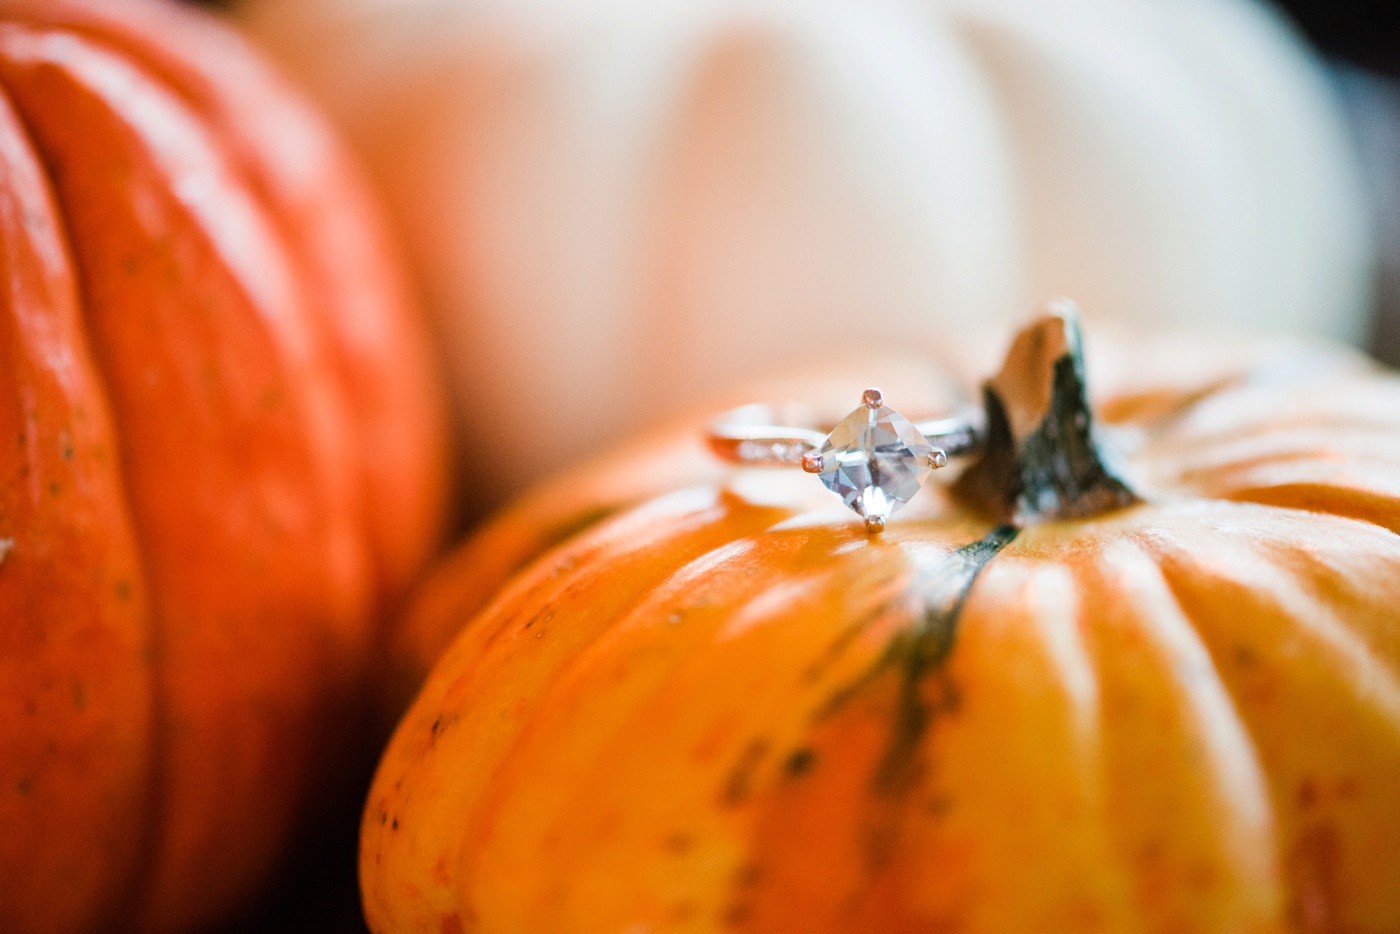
(957, 435)
(764, 445)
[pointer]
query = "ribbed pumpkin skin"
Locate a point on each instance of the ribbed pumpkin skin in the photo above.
(221, 451)
(728, 709)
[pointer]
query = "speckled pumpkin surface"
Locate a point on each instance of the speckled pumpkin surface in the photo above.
(724, 707)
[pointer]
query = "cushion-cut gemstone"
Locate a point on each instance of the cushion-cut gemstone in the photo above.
(875, 460)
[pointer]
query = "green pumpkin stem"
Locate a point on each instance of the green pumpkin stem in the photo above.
(1042, 461)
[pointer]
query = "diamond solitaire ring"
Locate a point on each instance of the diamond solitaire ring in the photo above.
(875, 459)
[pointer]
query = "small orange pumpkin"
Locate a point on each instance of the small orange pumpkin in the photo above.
(221, 456)
(1069, 692)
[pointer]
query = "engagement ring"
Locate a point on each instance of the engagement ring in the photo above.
(874, 459)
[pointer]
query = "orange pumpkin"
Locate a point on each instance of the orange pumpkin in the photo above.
(221, 449)
(1156, 691)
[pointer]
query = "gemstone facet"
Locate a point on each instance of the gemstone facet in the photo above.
(875, 460)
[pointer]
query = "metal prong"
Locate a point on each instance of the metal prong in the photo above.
(872, 398)
(874, 524)
(812, 463)
(937, 458)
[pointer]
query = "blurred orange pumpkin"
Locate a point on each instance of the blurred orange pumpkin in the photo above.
(221, 459)
(1038, 702)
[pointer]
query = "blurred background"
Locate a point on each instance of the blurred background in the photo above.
(617, 210)
(1362, 43)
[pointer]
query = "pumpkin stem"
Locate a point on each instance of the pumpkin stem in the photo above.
(1042, 461)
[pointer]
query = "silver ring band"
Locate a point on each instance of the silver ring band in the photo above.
(743, 436)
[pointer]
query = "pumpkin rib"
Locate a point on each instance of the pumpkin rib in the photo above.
(1361, 502)
(1020, 765)
(74, 619)
(1354, 402)
(241, 432)
(1267, 445)
(1355, 545)
(1200, 844)
(1278, 445)
(1307, 482)
(1325, 445)
(1323, 708)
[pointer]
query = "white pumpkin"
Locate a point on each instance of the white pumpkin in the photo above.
(619, 207)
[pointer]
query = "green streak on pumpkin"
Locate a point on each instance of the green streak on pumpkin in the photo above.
(940, 587)
(920, 652)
